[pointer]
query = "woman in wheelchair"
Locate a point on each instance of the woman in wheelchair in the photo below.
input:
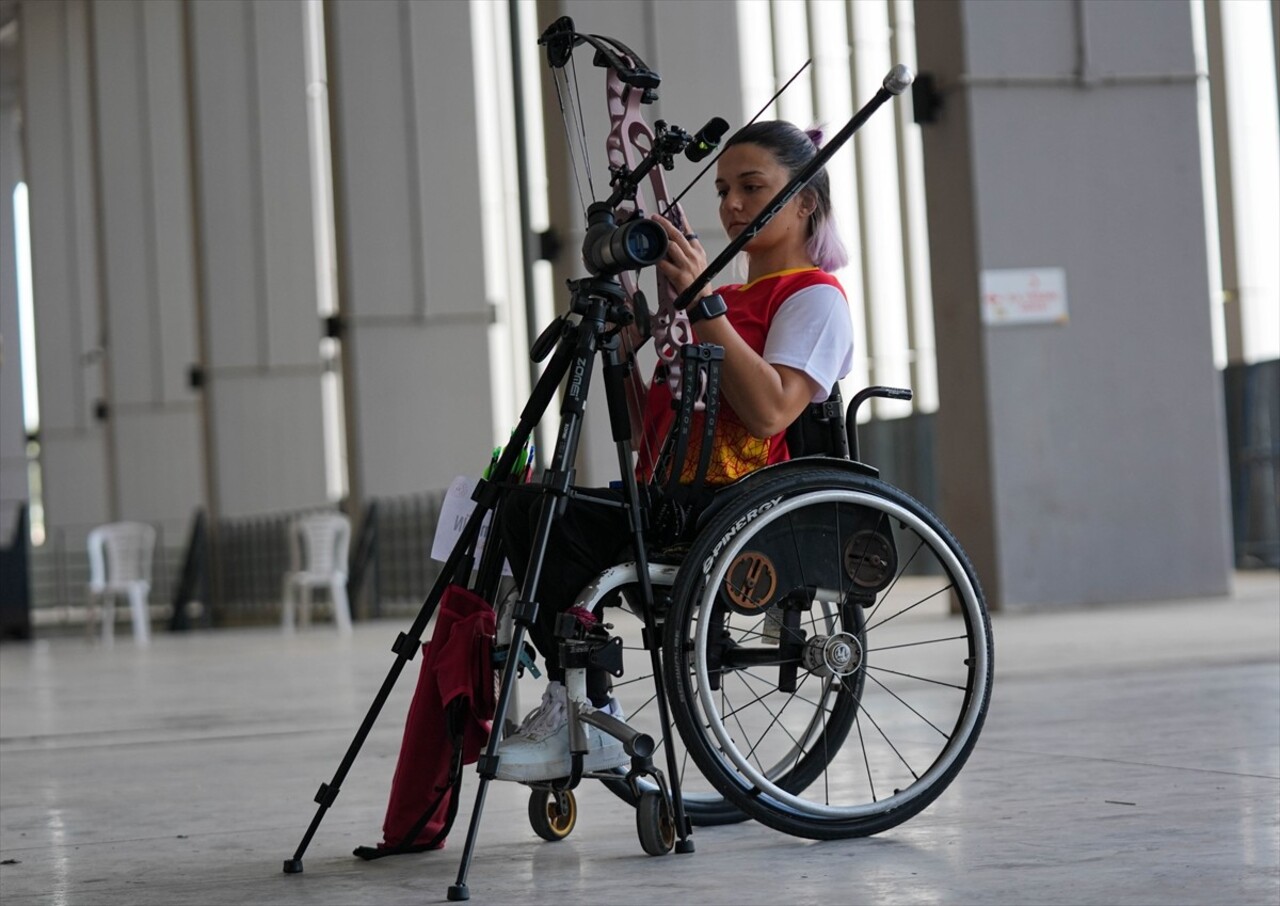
(787, 339)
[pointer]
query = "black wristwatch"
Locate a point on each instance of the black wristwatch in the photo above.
(711, 306)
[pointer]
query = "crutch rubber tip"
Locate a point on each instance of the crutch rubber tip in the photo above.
(684, 846)
(293, 866)
(459, 892)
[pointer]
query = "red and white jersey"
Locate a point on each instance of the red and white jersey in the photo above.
(798, 318)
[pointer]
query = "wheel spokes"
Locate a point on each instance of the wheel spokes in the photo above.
(911, 639)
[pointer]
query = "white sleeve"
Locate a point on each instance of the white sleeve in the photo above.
(812, 332)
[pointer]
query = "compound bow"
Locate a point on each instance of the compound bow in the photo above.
(617, 241)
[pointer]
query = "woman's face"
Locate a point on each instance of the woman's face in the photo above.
(748, 176)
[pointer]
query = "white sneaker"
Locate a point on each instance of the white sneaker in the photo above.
(539, 749)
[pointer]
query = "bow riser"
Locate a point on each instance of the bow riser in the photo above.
(637, 157)
(629, 141)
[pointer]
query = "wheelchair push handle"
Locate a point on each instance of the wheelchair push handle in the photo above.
(851, 414)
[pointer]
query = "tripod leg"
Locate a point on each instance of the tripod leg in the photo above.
(526, 613)
(406, 645)
(578, 348)
(614, 373)
(488, 766)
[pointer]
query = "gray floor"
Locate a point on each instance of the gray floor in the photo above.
(1131, 755)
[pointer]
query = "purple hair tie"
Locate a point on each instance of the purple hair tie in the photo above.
(815, 135)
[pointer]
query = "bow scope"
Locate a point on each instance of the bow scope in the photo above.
(609, 249)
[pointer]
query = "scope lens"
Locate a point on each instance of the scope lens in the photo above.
(609, 250)
(640, 242)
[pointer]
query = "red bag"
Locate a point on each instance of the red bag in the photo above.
(447, 727)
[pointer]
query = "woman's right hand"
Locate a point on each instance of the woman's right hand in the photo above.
(685, 260)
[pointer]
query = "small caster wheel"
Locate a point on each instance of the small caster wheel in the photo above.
(553, 814)
(654, 823)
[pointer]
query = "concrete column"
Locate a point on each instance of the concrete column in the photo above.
(409, 235)
(1083, 461)
(256, 262)
(13, 455)
(147, 281)
(1275, 39)
(79, 489)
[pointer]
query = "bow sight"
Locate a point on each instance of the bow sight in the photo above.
(609, 249)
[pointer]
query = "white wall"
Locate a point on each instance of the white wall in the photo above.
(171, 230)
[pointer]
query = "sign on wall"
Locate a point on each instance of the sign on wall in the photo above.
(1024, 296)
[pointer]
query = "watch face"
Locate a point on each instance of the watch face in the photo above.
(711, 306)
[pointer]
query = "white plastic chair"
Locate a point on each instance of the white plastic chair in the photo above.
(318, 546)
(120, 564)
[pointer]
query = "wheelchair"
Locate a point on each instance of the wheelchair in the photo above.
(827, 650)
(818, 639)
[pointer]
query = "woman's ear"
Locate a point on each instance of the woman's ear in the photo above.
(806, 203)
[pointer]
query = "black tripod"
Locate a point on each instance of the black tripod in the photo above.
(601, 308)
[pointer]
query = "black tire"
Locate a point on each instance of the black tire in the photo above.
(654, 823)
(889, 683)
(552, 815)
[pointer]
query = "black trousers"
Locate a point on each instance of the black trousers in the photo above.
(587, 539)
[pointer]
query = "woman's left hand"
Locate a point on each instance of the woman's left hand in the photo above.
(685, 258)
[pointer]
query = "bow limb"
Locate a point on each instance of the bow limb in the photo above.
(630, 138)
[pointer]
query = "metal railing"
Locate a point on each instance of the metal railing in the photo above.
(230, 573)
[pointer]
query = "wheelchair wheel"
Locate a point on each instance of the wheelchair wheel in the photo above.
(552, 814)
(636, 692)
(828, 653)
(655, 824)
